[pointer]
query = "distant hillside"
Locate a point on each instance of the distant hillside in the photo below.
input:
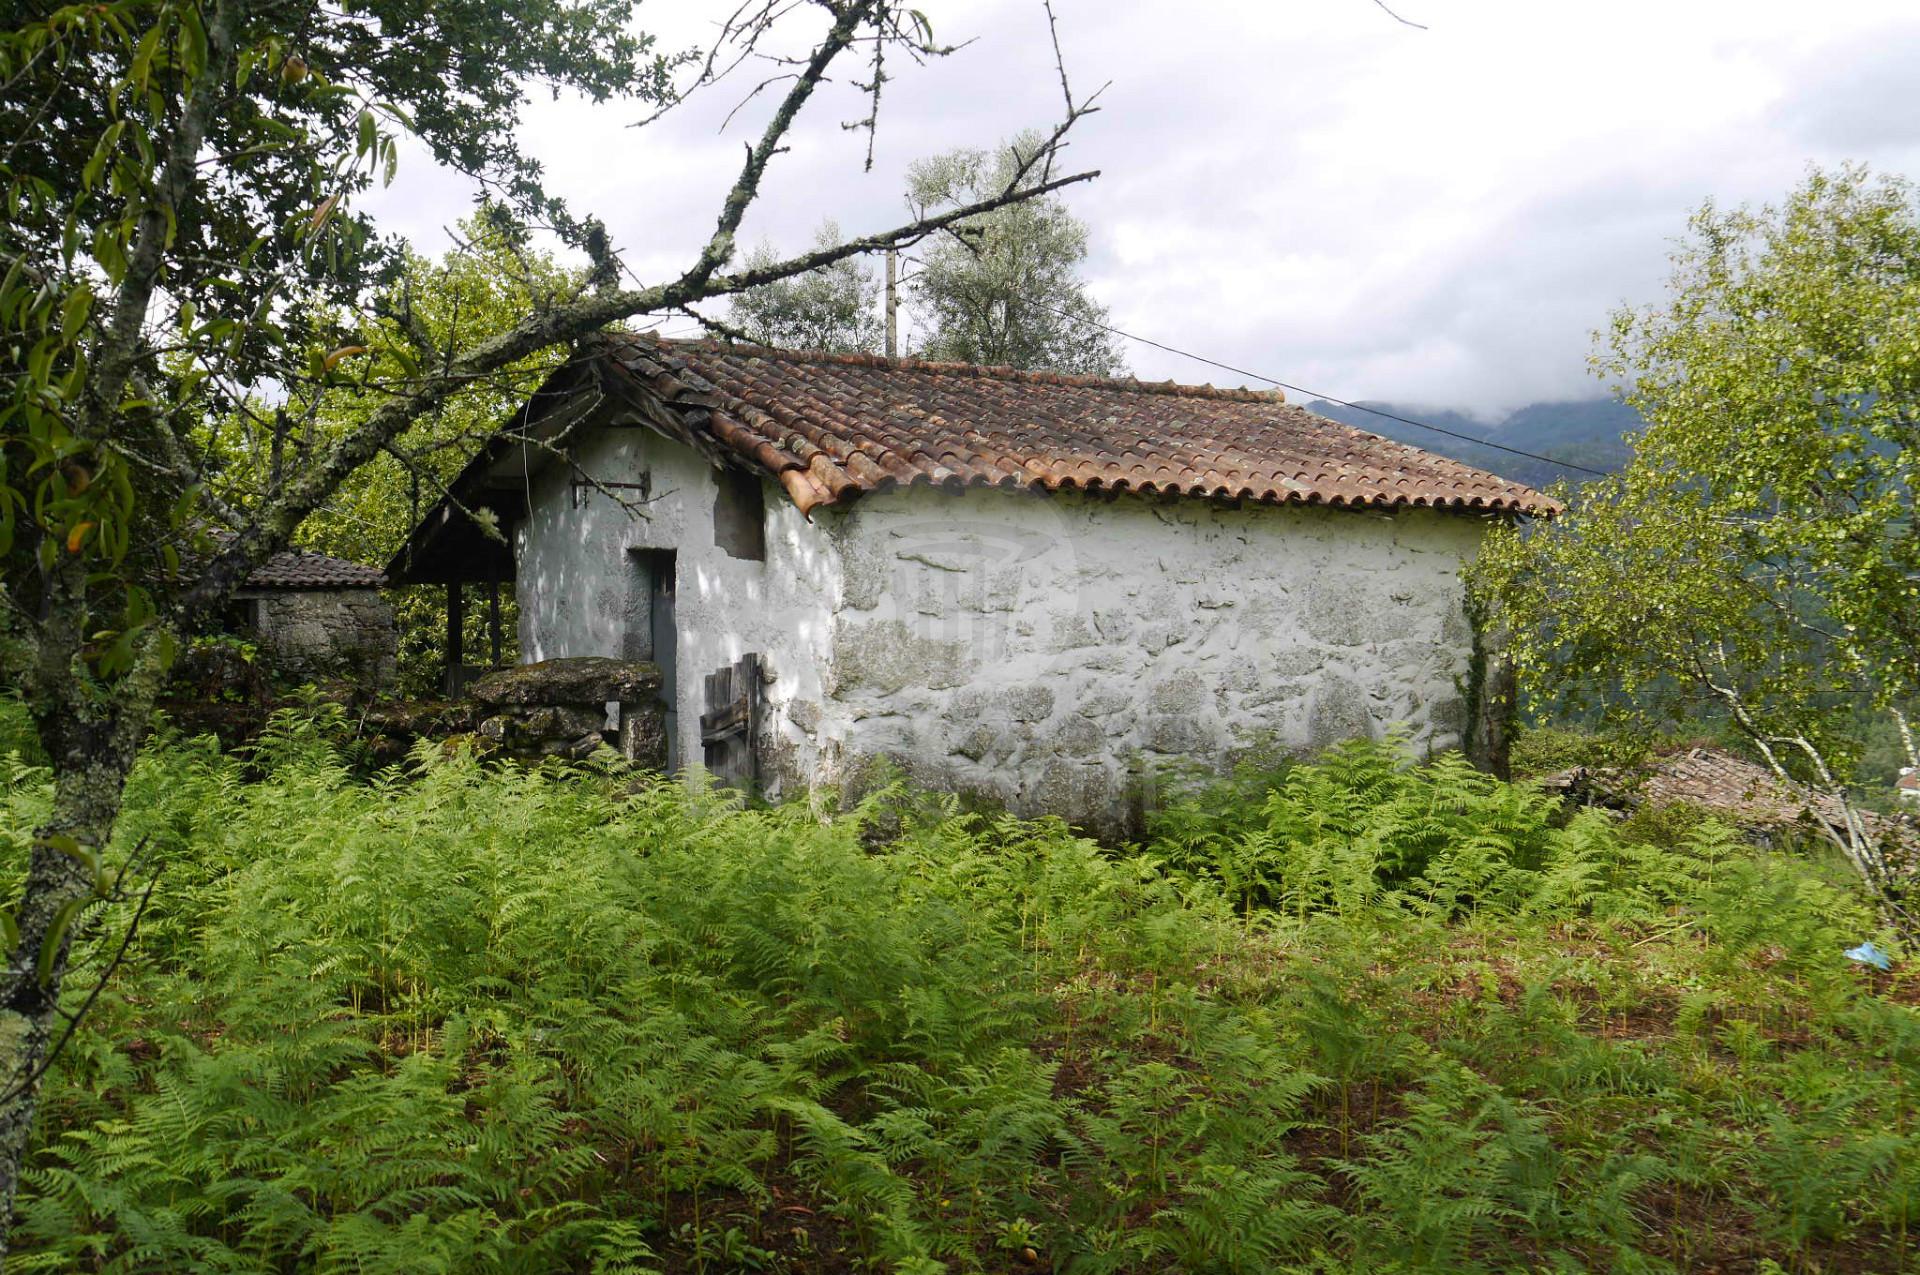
(1590, 432)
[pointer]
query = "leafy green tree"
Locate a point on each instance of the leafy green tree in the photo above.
(1004, 288)
(476, 289)
(836, 307)
(189, 298)
(1759, 555)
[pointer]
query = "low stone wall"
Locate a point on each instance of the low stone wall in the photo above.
(559, 708)
(314, 634)
(383, 731)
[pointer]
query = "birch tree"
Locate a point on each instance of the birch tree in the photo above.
(1760, 554)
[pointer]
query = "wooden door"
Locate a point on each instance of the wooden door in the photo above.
(731, 724)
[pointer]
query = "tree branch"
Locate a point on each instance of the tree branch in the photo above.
(274, 524)
(719, 247)
(120, 348)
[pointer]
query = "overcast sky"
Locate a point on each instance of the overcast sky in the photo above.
(1307, 188)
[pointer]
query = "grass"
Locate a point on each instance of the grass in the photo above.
(1357, 1016)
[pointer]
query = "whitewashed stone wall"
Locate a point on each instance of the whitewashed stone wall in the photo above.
(1036, 650)
(580, 591)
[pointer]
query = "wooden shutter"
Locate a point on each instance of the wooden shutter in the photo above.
(731, 723)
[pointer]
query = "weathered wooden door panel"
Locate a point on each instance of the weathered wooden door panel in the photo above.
(730, 727)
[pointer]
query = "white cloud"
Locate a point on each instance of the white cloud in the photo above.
(1304, 187)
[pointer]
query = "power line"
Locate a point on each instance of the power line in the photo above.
(1358, 407)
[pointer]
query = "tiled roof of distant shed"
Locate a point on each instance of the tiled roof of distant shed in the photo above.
(296, 570)
(830, 427)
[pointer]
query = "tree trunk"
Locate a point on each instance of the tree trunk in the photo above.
(1906, 738)
(92, 740)
(1492, 691)
(91, 779)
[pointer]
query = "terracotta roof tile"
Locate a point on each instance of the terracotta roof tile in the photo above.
(296, 570)
(1746, 794)
(830, 427)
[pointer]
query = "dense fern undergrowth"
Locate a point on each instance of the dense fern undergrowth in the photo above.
(1359, 1016)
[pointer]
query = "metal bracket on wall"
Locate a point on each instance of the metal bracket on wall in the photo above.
(578, 484)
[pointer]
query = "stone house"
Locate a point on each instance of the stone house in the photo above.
(317, 617)
(1022, 585)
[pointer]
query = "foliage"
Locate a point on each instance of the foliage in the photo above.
(1883, 752)
(473, 292)
(183, 282)
(203, 342)
(1783, 383)
(148, 291)
(1544, 749)
(1004, 288)
(1759, 555)
(465, 1018)
(476, 290)
(1359, 832)
(834, 308)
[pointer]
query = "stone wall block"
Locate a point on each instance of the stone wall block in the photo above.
(1331, 614)
(1338, 711)
(1078, 736)
(1178, 734)
(886, 656)
(580, 679)
(643, 733)
(319, 634)
(1032, 703)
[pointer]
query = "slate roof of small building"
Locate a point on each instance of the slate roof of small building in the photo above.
(1909, 781)
(294, 569)
(830, 427)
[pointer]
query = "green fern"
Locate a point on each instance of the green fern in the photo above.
(1355, 1014)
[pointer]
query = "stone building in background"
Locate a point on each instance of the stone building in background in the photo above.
(1022, 585)
(319, 618)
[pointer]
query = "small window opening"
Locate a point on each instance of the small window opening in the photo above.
(240, 616)
(740, 515)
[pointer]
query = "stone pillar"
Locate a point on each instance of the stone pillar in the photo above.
(643, 732)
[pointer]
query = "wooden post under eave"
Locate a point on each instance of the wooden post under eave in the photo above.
(493, 621)
(456, 635)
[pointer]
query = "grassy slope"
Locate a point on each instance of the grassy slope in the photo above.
(1367, 1020)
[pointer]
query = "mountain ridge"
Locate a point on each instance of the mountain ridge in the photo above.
(1592, 433)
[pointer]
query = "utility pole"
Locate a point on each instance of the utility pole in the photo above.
(893, 306)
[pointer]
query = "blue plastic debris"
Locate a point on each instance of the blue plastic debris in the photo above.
(1868, 954)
